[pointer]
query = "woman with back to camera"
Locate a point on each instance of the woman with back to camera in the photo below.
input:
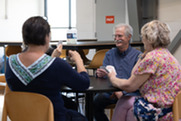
(35, 71)
(157, 75)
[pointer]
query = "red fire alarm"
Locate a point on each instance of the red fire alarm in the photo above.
(109, 19)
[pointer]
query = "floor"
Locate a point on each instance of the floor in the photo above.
(1, 106)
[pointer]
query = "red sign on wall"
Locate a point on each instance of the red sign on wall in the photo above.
(109, 19)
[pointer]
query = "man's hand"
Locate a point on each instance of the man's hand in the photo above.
(101, 72)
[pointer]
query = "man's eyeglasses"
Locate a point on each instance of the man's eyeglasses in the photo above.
(117, 35)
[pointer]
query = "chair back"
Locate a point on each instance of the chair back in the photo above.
(63, 54)
(2, 83)
(177, 107)
(97, 60)
(86, 51)
(27, 106)
(2, 80)
(9, 50)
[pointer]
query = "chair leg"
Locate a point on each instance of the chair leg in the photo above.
(111, 114)
(111, 108)
(94, 72)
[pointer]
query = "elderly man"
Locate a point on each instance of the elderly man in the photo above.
(123, 58)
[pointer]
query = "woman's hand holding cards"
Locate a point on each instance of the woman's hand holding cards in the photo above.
(57, 52)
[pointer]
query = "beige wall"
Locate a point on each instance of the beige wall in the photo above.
(85, 19)
(169, 12)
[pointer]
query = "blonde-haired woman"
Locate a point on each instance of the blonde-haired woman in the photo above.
(157, 75)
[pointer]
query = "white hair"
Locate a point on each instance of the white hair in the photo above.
(128, 29)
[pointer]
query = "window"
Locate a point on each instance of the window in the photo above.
(61, 15)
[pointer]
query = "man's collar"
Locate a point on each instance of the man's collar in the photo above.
(125, 52)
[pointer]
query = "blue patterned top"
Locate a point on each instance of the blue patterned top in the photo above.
(45, 76)
(27, 74)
